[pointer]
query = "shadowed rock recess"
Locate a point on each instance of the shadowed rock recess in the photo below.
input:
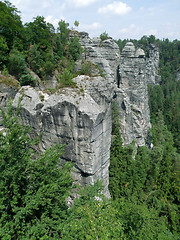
(80, 117)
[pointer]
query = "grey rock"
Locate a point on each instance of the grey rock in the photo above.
(128, 50)
(80, 120)
(152, 66)
(178, 76)
(105, 54)
(8, 89)
(80, 117)
(132, 95)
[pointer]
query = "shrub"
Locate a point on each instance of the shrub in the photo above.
(104, 36)
(17, 63)
(86, 69)
(27, 79)
(3, 51)
(75, 48)
(48, 68)
(66, 79)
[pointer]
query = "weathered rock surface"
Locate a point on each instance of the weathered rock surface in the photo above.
(128, 73)
(105, 54)
(8, 89)
(152, 66)
(132, 95)
(80, 117)
(178, 76)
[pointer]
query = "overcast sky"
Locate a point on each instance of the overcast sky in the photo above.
(120, 19)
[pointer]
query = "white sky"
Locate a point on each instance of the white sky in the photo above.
(120, 19)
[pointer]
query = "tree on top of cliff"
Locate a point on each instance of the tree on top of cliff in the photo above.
(11, 26)
(104, 36)
(11, 30)
(39, 32)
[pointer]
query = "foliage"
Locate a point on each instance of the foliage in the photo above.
(104, 36)
(148, 181)
(39, 32)
(17, 63)
(86, 68)
(32, 188)
(41, 56)
(27, 79)
(76, 23)
(169, 99)
(74, 48)
(66, 79)
(3, 51)
(90, 69)
(36, 45)
(139, 221)
(90, 217)
(11, 27)
(144, 183)
(5, 70)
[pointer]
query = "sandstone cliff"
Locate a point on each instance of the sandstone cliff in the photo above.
(132, 95)
(80, 117)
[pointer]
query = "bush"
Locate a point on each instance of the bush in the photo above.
(104, 36)
(75, 48)
(48, 68)
(66, 79)
(86, 69)
(17, 63)
(3, 51)
(27, 79)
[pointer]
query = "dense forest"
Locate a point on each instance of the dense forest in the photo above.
(144, 183)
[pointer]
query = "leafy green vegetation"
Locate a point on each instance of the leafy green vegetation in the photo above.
(144, 187)
(166, 97)
(37, 46)
(151, 178)
(148, 182)
(104, 36)
(144, 183)
(33, 188)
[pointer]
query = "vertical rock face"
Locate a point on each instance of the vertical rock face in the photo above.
(105, 54)
(152, 66)
(8, 89)
(128, 73)
(132, 95)
(80, 117)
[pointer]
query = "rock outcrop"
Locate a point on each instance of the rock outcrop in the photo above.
(80, 117)
(105, 54)
(178, 76)
(132, 95)
(8, 89)
(152, 66)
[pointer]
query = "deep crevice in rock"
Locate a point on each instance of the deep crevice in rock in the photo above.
(118, 76)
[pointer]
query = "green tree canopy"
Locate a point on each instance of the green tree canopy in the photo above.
(11, 26)
(33, 188)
